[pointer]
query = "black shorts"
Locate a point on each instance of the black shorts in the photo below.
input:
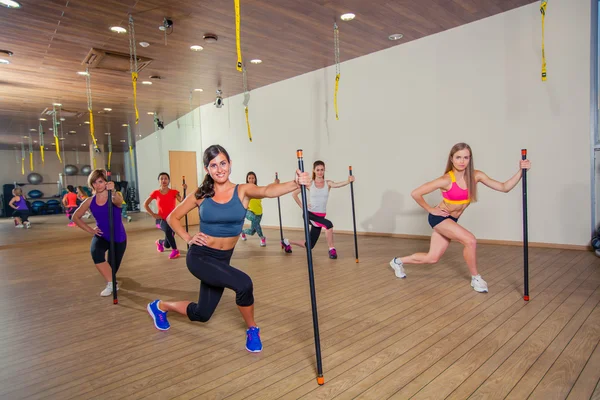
(100, 246)
(436, 219)
(23, 214)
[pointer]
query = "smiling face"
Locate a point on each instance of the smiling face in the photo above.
(164, 180)
(318, 170)
(251, 178)
(219, 168)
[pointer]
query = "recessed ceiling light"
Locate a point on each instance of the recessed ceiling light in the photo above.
(82, 73)
(4, 61)
(150, 113)
(86, 122)
(9, 4)
(125, 125)
(256, 61)
(139, 135)
(51, 129)
(210, 38)
(62, 119)
(83, 144)
(62, 138)
(196, 48)
(108, 109)
(396, 36)
(198, 90)
(53, 144)
(32, 130)
(122, 140)
(118, 29)
(42, 119)
(347, 17)
(46, 148)
(35, 141)
(107, 133)
(57, 104)
(146, 83)
(25, 137)
(72, 132)
(144, 44)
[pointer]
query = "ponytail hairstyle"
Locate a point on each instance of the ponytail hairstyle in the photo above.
(207, 188)
(315, 165)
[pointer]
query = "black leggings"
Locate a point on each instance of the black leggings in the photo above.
(100, 246)
(212, 267)
(169, 240)
(315, 231)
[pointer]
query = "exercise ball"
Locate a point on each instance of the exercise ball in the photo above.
(34, 178)
(86, 170)
(37, 206)
(596, 243)
(70, 169)
(35, 194)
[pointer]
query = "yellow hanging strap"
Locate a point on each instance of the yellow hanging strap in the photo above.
(30, 155)
(22, 158)
(237, 35)
(55, 131)
(109, 151)
(336, 43)
(130, 145)
(246, 100)
(88, 89)
(134, 78)
(133, 65)
(543, 11)
(41, 133)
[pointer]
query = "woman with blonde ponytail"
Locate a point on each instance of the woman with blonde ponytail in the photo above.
(459, 188)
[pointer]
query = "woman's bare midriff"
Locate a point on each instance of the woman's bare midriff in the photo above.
(222, 243)
(454, 210)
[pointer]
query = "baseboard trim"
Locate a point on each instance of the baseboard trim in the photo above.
(482, 241)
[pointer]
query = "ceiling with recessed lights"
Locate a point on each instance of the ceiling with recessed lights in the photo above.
(183, 64)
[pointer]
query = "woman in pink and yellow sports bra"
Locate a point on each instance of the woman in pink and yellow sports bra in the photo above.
(459, 188)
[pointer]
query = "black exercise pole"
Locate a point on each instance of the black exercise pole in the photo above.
(186, 220)
(353, 215)
(279, 209)
(525, 238)
(111, 251)
(311, 277)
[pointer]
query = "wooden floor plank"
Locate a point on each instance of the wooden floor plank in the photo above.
(380, 336)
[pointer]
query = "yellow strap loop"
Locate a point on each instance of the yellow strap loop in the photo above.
(134, 78)
(42, 152)
(57, 148)
(31, 161)
(131, 156)
(237, 35)
(248, 124)
(109, 157)
(543, 11)
(23, 165)
(335, 104)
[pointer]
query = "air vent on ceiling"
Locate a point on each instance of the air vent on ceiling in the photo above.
(112, 60)
(64, 112)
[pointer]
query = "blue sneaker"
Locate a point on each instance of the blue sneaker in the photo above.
(253, 343)
(159, 317)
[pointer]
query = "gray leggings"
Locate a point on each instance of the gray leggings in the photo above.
(255, 227)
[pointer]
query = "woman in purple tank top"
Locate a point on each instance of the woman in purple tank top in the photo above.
(21, 213)
(98, 204)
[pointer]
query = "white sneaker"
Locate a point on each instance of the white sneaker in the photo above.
(108, 290)
(398, 267)
(19, 226)
(243, 237)
(478, 284)
(27, 224)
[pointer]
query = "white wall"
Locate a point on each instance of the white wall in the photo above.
(401, 110)
(152, 152)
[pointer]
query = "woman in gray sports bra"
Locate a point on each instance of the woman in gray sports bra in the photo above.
(222, 207)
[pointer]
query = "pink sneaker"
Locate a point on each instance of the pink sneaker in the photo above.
(174, 254)
(71, 224)
(263, 242)
(159, 247)
(243, 236)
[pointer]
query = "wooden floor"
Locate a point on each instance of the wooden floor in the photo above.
(429, 336)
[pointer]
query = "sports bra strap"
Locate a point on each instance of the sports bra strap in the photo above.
(452, 177)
